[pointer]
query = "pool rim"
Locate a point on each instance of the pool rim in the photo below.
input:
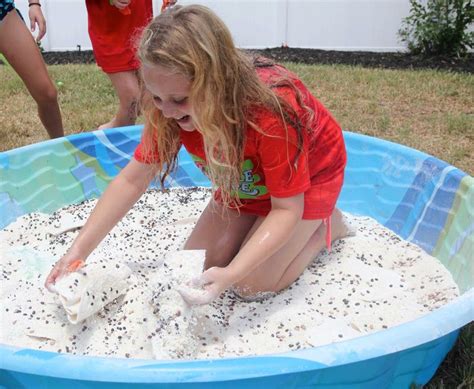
(431, 326)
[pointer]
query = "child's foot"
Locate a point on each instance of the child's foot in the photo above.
(116, 123)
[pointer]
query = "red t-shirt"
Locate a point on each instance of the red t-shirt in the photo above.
(268, 170)
(114, 33)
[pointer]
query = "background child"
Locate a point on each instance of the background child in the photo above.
(274, 154)
(113, 29)
(22, 53)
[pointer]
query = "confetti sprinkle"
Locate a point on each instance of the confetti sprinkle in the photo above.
(369, 282)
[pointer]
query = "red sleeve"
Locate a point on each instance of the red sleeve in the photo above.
(146, 154)
(284, 165)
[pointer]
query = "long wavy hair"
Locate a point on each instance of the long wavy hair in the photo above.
(225, 90)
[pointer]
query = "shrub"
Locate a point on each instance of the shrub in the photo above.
(441, 27)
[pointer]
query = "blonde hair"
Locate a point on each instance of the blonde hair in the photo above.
(225, 87)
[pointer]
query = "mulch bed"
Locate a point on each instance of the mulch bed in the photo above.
(314, 56)
(371, 59)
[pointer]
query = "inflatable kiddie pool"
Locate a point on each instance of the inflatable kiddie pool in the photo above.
(421, 198)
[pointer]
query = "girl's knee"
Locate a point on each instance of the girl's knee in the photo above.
(250, 297)
(47, 95)
(51, 94)
(128, 94)
(249, 290)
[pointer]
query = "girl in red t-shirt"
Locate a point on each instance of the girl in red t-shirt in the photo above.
(274, 155)
(113, 28)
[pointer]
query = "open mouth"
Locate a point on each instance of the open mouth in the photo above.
(184, 119)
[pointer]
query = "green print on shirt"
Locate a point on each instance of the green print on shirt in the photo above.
(247, 186)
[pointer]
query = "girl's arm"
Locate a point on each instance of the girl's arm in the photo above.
(271, 235)
(119, 197)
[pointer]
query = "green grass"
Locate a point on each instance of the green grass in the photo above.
(429, 110)
(3, 60)
(425, 109)
(457, 370)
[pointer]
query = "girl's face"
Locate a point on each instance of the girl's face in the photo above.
(170, 92)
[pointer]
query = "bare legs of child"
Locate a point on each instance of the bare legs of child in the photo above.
(315, 244)
(222, 235)
(22, 53)
(127, 89)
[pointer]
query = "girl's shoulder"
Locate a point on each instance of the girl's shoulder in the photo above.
(282, 81)
(271, 72)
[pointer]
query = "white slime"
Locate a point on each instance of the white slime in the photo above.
(369, 282)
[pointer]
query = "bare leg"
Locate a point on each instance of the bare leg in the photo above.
(314, 246)
(21, 51)
(266, 277)
(220, 234)
(284, 267)
(127, 89)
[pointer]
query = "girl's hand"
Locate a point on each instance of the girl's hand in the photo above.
(120, 4)
(208, 287)
(37, 18)
(64, 266)
(113, 205)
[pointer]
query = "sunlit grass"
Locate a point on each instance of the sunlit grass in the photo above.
(428, 110)
(425, 109)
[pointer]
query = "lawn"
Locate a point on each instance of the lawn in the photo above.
(429, 110)
(426, 109)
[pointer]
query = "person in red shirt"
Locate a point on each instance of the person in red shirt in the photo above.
(113, 29)
(274, 154)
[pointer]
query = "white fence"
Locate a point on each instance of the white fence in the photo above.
(369, 25)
